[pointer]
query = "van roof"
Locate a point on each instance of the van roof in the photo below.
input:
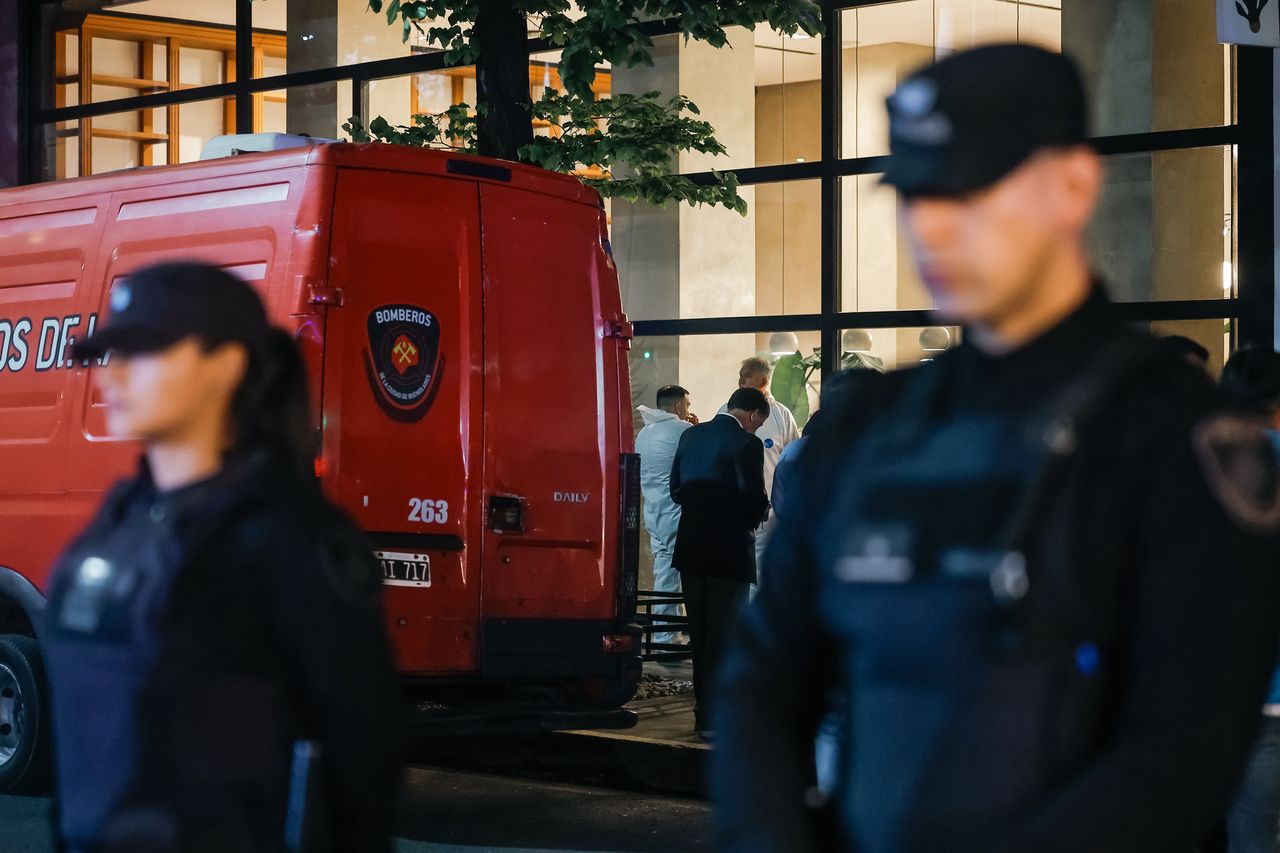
(376, 156)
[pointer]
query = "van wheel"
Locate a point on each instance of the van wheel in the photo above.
(24, 715)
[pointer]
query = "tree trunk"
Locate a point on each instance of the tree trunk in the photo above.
(502, 79)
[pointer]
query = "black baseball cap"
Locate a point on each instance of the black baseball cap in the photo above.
(965, 122)
(158, 306)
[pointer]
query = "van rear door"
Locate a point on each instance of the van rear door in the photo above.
(402, 407)
(553, 406)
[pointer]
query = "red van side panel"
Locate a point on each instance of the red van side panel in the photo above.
(403, 397)
(58, 259)
(552, 408)
(48, 253)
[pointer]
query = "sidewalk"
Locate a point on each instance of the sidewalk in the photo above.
(661, 751)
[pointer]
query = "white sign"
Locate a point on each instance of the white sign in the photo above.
(1250, 22)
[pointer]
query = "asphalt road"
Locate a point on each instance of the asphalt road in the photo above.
(449, 811)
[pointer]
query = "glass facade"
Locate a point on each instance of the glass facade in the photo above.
(816, 276)
(819, 255)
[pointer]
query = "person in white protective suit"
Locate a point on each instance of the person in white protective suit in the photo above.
(656, 445)
(778, 431)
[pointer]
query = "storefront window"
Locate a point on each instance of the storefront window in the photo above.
(1148, 66)
(1163, 231)
(1164, 225)
(681, 262)
(762, 94)
(318, 110)
(707, 365)
(332, 33)
(125, 50)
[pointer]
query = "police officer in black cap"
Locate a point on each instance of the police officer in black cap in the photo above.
(218, 612)
(1041, 570)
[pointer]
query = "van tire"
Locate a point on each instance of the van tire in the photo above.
(25, 764)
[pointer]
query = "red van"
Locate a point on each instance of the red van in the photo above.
(466, 344)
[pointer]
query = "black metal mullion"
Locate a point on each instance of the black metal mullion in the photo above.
(1255, 234)
(358, 97)
(831, 211)
(244, 66)
(1133, 312)
(731, 325)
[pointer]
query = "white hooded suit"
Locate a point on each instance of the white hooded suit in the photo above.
(656, 445)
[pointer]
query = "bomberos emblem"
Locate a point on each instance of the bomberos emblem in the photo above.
(403, 361)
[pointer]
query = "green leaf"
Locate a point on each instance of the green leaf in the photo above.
(641, 136)
(789, 386)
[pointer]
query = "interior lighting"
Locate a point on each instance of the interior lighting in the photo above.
(1228, 274)
(800, 35)
(856, 340)
(784, 343)
(648, 354)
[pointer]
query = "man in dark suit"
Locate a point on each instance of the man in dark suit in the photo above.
(718, 480)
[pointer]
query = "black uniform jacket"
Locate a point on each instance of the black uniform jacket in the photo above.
(191, 638)
(1094, 689)
(717, 478)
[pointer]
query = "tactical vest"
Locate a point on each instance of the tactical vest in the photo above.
(971, 688)
(136, 745)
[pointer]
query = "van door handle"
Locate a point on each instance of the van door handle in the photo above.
(506, 514)
(320, 292)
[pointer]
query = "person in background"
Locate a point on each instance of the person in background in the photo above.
(656, 445)
(717, 478)
(1252, 376)
(218, 616)
(777, 432)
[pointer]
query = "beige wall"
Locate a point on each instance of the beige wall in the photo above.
(788, 215)
(717, 246)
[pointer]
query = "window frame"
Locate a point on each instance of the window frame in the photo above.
(1252, 134)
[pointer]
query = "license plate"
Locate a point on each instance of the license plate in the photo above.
(400, 568)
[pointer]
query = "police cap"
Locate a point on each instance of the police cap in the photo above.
(160, 305)
(964, 123)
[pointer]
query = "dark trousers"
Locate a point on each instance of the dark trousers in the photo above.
(712, 605)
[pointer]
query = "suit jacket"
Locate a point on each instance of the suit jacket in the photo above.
(718, 480)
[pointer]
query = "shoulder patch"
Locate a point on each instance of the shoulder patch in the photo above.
(1239, 463)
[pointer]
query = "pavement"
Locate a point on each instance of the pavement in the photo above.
(451, 811)
(661, 752)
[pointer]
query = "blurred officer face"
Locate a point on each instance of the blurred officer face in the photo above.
(177, 395)
(999, 255)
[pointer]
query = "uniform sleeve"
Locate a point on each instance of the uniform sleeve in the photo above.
(1194, 661)
(326, 596)
(750, 464)
(772, 685)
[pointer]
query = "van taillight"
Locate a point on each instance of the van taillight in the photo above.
(629, 536)
(506, 514)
